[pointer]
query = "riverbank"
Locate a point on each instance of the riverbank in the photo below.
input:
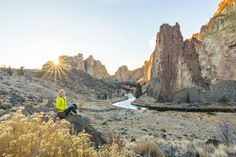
(136, 125)
(187, 107)
(118, 99)
(168, 129)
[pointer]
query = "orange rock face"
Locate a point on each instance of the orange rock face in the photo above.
(224, 6)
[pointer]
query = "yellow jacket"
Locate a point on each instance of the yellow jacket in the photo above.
(61, 104)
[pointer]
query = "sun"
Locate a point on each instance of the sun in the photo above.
(56, 61)
(56, 69)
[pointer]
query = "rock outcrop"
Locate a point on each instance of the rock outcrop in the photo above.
(141, 75)
(95, 68)
(90, 65)
(148, 69)
(224, 6)
(124, 74)
(203, 61)
(175, 64)
(216, 44)
(76, 62)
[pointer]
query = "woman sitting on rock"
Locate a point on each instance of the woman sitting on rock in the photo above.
(62, 106)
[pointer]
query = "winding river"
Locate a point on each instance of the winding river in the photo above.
(127, 103)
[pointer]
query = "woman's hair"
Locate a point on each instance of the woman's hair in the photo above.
(61, 93)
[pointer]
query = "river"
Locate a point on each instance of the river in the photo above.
(127, 103)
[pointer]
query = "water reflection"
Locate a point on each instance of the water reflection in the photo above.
(127, 103)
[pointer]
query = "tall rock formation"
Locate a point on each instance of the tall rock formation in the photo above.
(90, 65)
(203, 61)
(95, 68)
(175, 64)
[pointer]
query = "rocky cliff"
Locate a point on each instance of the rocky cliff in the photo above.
(124, 74)
(142, 74)
(203, 61)
(90, 65)
(76, 62)
(216, 44)
(224, 6)
(175, 64)
(95, 68)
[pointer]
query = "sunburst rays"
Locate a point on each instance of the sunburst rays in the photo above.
(56, 70)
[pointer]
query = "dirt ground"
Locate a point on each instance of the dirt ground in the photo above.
(134, 125)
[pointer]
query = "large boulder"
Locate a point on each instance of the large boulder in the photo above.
(83, 124)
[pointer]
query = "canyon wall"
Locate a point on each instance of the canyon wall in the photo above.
(216, 44)
(175, 64)
(201, 63)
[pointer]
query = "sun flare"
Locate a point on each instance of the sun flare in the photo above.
(56, 69)
(56, 61)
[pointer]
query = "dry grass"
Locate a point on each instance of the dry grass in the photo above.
(28, 136)
(211, 151)
(111, 138)
(148, 149)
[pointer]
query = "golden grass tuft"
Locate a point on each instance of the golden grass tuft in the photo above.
(148, 149)
(28, 136)
(211, 151)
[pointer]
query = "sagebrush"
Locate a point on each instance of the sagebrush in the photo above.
(28, 136)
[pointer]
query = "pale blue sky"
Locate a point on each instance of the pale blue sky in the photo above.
(116, 32)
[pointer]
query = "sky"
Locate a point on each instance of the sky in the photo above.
(116, 32)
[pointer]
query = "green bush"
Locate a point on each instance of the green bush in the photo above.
(223, 99)
(138, 91)
(103, 96)
(9, 71)
(20, 71)
(188, 98)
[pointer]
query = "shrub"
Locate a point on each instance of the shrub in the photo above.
(223, 99)
(226, 132)
(111, 138)
(188, 97)
(148, 149)
(29, 76)
(9, 71)
(138, 91)
(22, 135)
(102, 96)
(211, 151)
(20, 71)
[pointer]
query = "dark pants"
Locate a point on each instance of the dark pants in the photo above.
(72, 107)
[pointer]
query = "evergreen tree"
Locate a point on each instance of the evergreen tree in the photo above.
(188, 98)
(138, 91)
(21, 71)
(9, 71)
